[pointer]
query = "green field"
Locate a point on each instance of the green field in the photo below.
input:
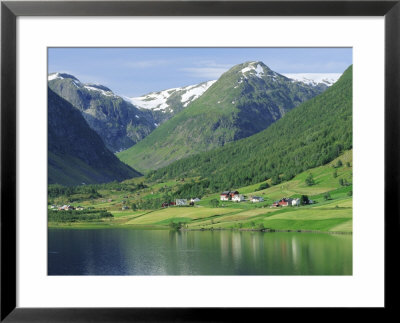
(332, 213)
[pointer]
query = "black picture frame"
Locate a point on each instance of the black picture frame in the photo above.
(10, 10)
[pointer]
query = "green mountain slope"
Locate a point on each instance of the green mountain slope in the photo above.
(245, 100)
(309, 136)
(118, 123)
(76, 154)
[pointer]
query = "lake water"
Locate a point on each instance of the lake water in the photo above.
(162, 252)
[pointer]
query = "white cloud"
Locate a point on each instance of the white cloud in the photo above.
(207, 69)
(205, 72)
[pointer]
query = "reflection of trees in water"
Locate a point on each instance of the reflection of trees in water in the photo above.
(160, 252)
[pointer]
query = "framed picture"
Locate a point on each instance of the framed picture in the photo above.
(208, 43)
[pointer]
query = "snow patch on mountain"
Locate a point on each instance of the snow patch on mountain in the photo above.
(158, 100)
(259, 71)
(88, 86)
(152, 101)
(102, 91)
(195, 91)
(54, 76)
(315, 78)
(76, 83)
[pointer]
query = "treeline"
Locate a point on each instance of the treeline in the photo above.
(191, 190)
(77, 216)
(187, 191)
(310, 135)
(56, 190)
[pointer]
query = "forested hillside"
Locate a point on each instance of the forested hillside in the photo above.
(311, 135)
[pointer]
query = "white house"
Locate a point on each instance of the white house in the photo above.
(181, 201)
(256, 199)
(66, 207)
(238, 198)
(295, 202)
(224, 196)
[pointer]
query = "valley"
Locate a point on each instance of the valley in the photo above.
(137, 204)
(271, 139)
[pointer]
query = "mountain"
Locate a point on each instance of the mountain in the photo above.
(175, 99)
(167, 103)
(243, 101)
(315, 79)
(118, 123)
(76, 153)
(311, 135)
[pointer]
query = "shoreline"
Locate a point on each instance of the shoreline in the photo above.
(94, 226)
(271, 230)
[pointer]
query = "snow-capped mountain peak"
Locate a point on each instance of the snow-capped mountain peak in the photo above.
(54, 76)
(253, 68)
(100, 89)
(158, 101)
(257, 69)
(314, 78)
(58, 75)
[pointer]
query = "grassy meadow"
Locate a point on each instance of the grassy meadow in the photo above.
(331, 192)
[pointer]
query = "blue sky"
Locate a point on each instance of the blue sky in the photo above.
(137, 71)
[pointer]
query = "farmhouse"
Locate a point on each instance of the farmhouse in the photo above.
(295, 202)
(233, 193)
(224, 196)
(238, 198)
(66, 207)
(228, 195)
(285, 202)
(256, 199)
(181, 201)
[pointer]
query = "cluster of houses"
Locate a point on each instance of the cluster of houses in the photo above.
(66, 208)
(286, 202)
(235, 196)
(290, 202)
(181, 202)
(231, 196)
